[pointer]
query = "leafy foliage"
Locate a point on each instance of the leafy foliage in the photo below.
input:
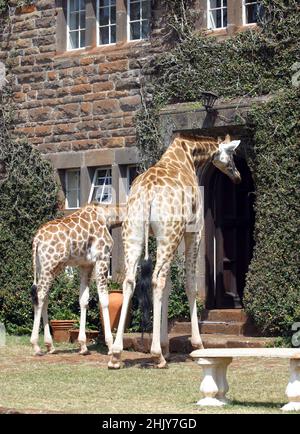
(28, 195)
(272, 292)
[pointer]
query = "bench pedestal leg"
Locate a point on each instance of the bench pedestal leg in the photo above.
(214, 384)
(293, 388)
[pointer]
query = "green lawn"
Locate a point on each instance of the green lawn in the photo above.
(67, 382)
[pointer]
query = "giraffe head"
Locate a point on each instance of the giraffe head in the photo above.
(223, 159)
(112, 214)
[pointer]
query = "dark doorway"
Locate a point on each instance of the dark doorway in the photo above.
(229, 224)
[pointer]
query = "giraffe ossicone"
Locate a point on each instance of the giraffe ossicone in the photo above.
(165, 200)
(80, 239)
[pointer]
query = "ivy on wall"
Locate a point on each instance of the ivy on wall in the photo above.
(256, 62)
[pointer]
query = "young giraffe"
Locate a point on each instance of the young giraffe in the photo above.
(166, 200)
(79, 239)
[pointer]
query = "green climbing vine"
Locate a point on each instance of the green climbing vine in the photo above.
(257, 62)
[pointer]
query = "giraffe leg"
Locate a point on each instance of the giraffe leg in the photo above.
(192, 243)
(164, 339)
(168, 235)
(102, 267)
(47, 335)
(128, 289)
(42, 293)
(85, 275)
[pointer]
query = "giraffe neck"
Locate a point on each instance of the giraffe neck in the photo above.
(189, 152)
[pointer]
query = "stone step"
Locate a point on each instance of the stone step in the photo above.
(180, 343)
(227, 315)
(210, 327)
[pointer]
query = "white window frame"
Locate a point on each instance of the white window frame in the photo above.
(135, 21)
(69, 48)
(73, 189)
(109, 25)
(93, 186)
(245, 4)
(209, 21)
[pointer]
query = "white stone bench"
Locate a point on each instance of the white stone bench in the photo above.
(215, 362)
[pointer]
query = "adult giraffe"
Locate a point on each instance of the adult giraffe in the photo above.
(166, 200)
(79, 239)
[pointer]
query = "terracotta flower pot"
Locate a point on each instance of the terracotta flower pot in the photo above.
(115, 305)
(61, 328)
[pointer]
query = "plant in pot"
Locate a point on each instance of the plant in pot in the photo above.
(61, 326)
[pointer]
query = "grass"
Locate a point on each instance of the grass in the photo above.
(70, 383)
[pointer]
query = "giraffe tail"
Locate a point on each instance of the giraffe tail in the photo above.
(144, 284)
(34, 289)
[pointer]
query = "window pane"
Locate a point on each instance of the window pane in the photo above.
(252, 13)
(113, 15)
(132, 174)
(135, 30)
(145, 29)
(74, 21)
(113, 37)
(224, 17)
(104, 16)
(218, 19)
(104, 2)
(82, 4)
(104, 35)
(145, 9)
(73, 5)
(74, 40)
(215, 4)
(224, 2)
(72, 197)
(135, 11)
(82, 20)
(82, 38)
(72, 179)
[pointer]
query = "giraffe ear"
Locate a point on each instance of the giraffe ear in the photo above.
(229, 147)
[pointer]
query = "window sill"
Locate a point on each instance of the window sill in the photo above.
(119, 46)
(230, 30)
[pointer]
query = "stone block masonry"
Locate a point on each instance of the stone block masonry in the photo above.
(76, 100)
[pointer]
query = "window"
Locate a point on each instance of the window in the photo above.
(251, 11)
(101, 190)
(131, 175)
(216, 14)
(72, 182)
(76, 24)
(106, 17)
(138, 19)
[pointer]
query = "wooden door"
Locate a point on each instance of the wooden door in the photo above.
(229, 236)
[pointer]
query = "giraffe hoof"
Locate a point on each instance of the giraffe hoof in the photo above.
(112, 365)
(162, 365)
(50, 349)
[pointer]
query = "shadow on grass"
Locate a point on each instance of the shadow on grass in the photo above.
(150, 363)
(274, 405)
